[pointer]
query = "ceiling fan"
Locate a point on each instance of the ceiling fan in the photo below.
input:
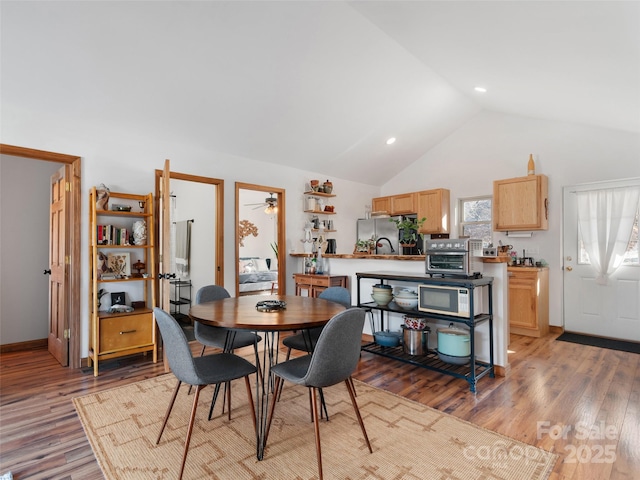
(271, 204)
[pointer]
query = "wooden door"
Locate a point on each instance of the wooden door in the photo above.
(165, 238)
(58, 339)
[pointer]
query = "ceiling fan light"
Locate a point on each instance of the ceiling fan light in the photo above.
(271, 209)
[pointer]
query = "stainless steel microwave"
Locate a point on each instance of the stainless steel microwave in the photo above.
(449, 300)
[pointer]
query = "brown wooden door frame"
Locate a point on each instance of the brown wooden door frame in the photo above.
(72, 230)
(219, 216)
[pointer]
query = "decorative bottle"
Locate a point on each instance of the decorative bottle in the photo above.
(531, 167)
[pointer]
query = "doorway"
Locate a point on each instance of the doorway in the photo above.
(198, 203)
(72, 280)
(260, 230)
(608, 308)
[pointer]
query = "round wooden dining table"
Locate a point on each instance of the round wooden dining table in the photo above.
(300, 313)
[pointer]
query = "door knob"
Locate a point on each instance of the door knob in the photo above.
(47, 271)
(569, 268)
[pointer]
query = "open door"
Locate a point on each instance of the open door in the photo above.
(165, 239)
(59, 255)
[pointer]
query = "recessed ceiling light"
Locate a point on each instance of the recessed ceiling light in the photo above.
(391, 140)
(480, 89)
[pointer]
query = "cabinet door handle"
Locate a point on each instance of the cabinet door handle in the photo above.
(127, 331)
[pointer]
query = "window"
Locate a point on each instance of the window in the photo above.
(631, 255)
(475, 218)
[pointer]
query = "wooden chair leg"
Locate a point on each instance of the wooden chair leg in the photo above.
(316, 426)
(357, 410)
(251, 405)
(190, 429)
(166, 417)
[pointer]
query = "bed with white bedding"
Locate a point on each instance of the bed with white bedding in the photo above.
(255, 277)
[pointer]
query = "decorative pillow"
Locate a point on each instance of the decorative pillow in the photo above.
(247, 266)
(261, 265)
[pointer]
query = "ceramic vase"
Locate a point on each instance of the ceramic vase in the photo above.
(139, 233)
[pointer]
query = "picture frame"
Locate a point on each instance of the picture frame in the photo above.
(119, 264)
(118, 298)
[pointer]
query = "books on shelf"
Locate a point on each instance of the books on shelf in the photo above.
(111, 235)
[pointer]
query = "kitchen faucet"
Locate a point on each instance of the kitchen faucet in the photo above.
(388, 241)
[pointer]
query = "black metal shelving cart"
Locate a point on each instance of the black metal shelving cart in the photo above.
(181, 298)
(472, 371)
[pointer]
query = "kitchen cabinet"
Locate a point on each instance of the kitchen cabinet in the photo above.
(470, 372)
(521, 203)
(434, 206)
(114, 257)
(430, 204)
(381, 204)
(528, 301)
(403, 204)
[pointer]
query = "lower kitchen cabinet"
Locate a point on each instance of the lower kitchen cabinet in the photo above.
(529, 301)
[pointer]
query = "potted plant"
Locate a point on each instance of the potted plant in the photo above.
(409, 230)
(364, 246)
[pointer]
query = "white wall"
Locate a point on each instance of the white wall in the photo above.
(24, 248)
(493, 146)
(488, 147)
(125, 161)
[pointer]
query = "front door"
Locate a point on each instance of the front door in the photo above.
(611, 310)
(58, 339)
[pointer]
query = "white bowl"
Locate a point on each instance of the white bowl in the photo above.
(406, 303)
(406, 294)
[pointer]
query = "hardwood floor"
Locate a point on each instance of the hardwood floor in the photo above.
(593, 392)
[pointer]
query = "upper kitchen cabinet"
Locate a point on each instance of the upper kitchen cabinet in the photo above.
(381, 204)
(521, 203)
(434, 206)
(403, 204)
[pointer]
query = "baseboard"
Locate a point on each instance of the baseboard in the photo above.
(554, 329)
(22, 346)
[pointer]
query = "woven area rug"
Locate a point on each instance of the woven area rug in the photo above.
(410, 441)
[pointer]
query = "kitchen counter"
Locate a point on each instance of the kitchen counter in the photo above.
(365, 256)
(413, 266)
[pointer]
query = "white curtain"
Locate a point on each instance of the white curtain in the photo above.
(605, 220)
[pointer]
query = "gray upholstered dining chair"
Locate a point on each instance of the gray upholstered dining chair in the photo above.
(333, 360)
(197, 371)
(223, 338)
(305, 341)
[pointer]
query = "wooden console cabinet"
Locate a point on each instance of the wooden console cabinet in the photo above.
(315, 284)
(528, 301)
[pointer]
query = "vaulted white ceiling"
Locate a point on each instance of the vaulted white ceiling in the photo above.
(320, 85)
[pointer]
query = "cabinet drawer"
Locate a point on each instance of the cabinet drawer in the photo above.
(128, 331)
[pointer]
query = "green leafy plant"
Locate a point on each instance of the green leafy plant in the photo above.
(274, 247)
(409, 229)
